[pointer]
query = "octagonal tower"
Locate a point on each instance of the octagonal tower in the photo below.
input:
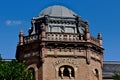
(59, 47)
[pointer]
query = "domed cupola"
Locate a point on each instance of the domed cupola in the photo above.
(57, 11)
(58, 19)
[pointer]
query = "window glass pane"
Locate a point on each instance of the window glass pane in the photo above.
(55, 29)
(69, 30)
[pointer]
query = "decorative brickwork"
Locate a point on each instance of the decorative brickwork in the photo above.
(60, 47)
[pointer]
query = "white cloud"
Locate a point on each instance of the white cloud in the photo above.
(13, 22)
(8, 22)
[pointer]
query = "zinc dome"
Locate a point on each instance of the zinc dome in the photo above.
(57, 11)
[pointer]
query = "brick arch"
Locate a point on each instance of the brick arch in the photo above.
(66, 64)
(95, 73)
(34, 66)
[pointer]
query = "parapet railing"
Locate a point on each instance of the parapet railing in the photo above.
(94, 40)
(31, 38)
(55, 36)
(64, 36)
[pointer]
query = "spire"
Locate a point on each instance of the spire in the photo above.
(87, 33)
(21, 40)
(100, 39)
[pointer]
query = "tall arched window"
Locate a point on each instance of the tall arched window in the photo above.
(96, 74)
(66, 72)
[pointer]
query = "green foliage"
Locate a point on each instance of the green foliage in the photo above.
(13, 70)
(117, 75)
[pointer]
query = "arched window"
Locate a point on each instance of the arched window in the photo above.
(96, 74)
(33, 73)
(66, 72)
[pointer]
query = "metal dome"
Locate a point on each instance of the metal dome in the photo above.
(57, 11)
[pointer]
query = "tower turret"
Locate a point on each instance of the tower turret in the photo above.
(60, 47)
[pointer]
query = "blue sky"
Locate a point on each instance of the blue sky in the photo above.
(103, 16)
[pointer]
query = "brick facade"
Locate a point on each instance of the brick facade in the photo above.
(61, 55)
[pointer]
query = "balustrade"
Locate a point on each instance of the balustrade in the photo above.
(63, 36)
(31, 38)
(53, 36)
(94, 40)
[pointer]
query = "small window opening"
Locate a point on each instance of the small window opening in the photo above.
(66, 72)
(96, 74)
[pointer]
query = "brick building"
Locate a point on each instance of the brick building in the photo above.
(59, 46)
